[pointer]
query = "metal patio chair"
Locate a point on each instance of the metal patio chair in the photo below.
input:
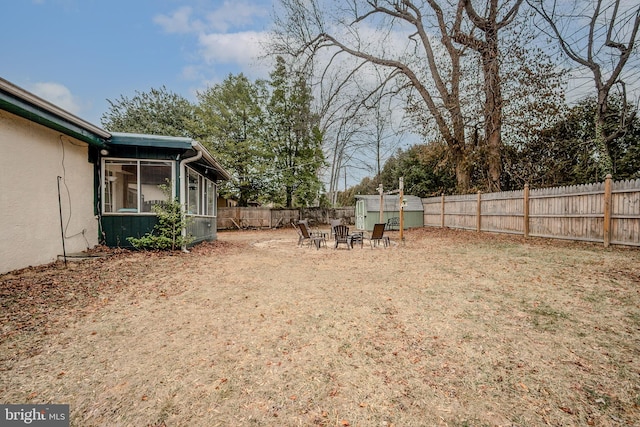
(377, 236)
(305, 234)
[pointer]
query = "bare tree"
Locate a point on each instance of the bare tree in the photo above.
(306, 32)
(604, 53)
(489, 23)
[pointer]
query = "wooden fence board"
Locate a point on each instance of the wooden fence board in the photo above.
(259, 217)
(574, 212)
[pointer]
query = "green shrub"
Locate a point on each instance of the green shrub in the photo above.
(167, 233)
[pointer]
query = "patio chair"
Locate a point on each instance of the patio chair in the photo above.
(305, 234)
(333, 223)
(341, 235)
(377, 236)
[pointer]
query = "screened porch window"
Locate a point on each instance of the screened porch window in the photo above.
(134, 186)
(201, 195)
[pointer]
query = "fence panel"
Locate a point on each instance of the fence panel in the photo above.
(253, 217)
(249, 217)
(432, 211)
(625, 212)
(574, 212)
(578, 212)
(502, 212)
(461, 211)
(283, 217)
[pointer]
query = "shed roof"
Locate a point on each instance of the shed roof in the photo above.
(390, 202)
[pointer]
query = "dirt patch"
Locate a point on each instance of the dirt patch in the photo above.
(448, 328)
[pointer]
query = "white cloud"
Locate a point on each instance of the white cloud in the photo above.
(179, 21)
(229, 16)
(241, 48)
(234, 15)
(229, 36)
(58, 95)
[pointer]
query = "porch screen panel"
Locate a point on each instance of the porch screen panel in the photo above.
(193, 195)
(210, 197)
(121, 186)
(154, 176)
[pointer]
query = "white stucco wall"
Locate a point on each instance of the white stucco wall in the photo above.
(31, 158)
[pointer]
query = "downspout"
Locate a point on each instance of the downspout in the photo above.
(183, 194)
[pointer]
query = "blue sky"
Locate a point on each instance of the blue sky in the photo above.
(79, 53)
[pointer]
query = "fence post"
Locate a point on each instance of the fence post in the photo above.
(442, 212)
(526, 210)
(606, 227)
(479, 214)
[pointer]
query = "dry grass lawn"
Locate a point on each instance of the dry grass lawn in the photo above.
(452, 328)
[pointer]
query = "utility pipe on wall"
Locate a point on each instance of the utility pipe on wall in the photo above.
(183, 173)
(64, 250)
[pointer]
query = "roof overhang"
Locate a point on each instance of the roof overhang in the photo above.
(31, 107)
(188, 146)
(145, 140)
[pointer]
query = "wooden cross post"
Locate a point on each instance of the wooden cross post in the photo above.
(380, 190)
(401, 209)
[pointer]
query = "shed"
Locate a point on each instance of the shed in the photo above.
(368, 210)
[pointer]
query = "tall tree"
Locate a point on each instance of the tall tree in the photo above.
(419, 61)
(158, 112)
(294, 136)
(489, 24)
(414, 41)
(230, 119)
(577, 27)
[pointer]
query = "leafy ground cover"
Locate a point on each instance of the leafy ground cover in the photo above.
(450, 328)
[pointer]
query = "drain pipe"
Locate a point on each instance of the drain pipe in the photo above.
(64, 250)
(183, 180)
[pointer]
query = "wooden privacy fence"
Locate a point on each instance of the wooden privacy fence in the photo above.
(606, 212)
(252, 217)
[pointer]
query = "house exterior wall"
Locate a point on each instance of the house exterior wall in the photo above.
(31, 160)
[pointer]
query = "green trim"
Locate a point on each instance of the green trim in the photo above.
(155, 141)
(47, 119)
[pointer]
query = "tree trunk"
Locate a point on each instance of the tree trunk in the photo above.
(605, 164)
(463, 169)
(492, 112)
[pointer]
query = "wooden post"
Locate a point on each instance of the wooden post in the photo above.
(479, 212)
(606, 227)
(442, 212)
(526, 210)
(401, 209)
(381, 191)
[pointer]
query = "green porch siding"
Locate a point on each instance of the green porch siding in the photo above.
(202, 228)
(117, 228)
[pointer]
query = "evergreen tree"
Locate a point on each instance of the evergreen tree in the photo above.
(231, 121)
(294, 137)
